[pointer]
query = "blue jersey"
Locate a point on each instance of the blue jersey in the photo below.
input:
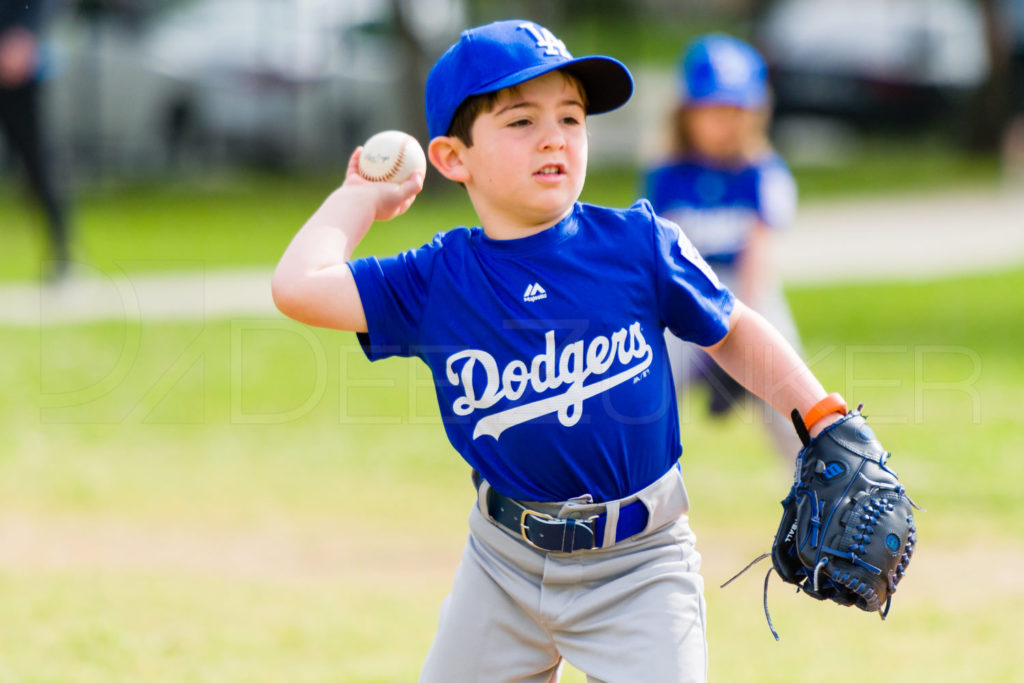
(547, 351)
(719, 206)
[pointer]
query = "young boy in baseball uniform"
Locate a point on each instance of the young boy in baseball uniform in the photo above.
(543, 329)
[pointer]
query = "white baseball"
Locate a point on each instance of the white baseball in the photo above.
(391, 156)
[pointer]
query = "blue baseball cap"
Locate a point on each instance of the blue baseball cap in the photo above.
(505, 53)
(720, 69)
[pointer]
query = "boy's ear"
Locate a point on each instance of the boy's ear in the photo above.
(445, 153)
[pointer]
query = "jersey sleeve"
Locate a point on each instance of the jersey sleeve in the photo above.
(394, 293)
(776, 195)
(692, 302)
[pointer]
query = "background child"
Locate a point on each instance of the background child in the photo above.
(730, 193)
(562, 404)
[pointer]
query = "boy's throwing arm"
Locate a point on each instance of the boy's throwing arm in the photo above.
(312, 282)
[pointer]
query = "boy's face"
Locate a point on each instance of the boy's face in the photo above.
(528, 160)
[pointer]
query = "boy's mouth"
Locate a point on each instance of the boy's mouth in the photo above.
(551, 169)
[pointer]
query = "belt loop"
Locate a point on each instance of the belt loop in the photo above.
(611, 523)
(481, 498)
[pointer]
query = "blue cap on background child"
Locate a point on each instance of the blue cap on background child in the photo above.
(506, 53)
(719, 69)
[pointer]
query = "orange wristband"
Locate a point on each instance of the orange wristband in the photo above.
(833, 403)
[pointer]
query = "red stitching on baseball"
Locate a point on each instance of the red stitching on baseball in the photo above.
(398, 162)
(391, 172)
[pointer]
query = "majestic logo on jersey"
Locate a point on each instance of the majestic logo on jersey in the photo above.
(546, 40)
(545, 373)
(534, 292)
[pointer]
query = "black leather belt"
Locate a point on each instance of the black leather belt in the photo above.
(554, 534)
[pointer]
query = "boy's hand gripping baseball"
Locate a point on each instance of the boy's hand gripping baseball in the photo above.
(388, 199)
(312, 282)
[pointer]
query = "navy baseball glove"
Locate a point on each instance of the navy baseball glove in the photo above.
(847, 532)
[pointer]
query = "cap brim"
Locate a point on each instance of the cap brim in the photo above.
(606, 80)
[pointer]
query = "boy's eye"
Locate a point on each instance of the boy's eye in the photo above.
(519, 123)
(572, 120)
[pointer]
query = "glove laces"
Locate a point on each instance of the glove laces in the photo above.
(768, 575)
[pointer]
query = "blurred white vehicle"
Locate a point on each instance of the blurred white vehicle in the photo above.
(874, 61)
(283, 81)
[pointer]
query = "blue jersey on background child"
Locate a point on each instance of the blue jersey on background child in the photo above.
(718, 206)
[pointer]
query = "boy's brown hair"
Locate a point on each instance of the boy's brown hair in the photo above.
(474, 105)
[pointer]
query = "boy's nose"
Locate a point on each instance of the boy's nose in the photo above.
(552, 137)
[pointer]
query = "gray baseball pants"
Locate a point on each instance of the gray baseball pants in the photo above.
(630, 612)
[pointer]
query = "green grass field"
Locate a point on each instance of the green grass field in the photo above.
(233, 501)
(250, 500)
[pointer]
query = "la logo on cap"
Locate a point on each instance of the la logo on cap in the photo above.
(553, 47)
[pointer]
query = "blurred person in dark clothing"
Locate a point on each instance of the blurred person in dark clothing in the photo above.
(23, 67)
(1013, 140)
